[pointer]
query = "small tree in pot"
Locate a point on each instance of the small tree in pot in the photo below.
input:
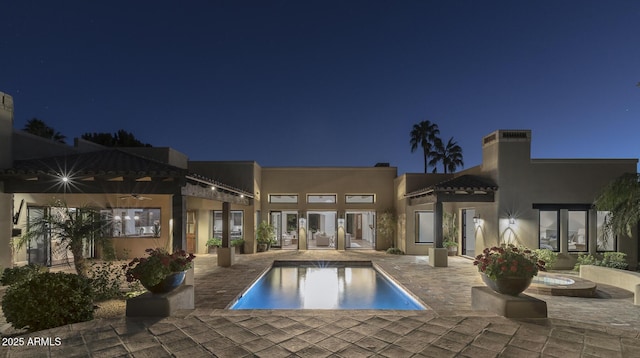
(265, 236)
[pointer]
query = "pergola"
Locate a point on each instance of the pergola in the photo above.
(116, 171)
(465, 188)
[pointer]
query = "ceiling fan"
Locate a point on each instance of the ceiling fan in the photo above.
(135, 197)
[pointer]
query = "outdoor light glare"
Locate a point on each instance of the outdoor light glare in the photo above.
(213, 188)
(512, 220)
(65, 179)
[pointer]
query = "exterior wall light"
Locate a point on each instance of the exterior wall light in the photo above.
(476, 219)
(303, 222)
(341, 223)
(512, 220)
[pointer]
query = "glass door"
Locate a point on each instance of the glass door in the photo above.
(468, 232)
(276, 222)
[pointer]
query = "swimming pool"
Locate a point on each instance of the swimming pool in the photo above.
(319, 285)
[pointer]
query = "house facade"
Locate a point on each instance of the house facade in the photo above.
(157, 197)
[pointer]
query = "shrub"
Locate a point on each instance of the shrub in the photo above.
(214, 241)
(237, 242)
(615, 260)
(106, 280)
(548, 256)
(48, 300)
(12, 275)
(395, 251)
(610, 259)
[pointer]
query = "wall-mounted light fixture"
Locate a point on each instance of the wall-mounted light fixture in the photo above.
(476, 219)
(303, 222)
(512, 220)
(213, 188)
(341, 223)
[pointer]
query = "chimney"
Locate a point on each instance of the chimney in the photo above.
(6, 130)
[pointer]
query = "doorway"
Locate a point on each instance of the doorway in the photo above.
(322, 230)
(285, 224)
(360, 232)
(191, 231)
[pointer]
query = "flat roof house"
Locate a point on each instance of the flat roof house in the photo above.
(157, 197)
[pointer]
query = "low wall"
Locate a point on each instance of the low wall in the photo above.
(627, 280)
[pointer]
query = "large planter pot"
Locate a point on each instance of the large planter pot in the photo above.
(170, 283)
(212, 250)
(239, 249)
(262, 247)
(512, 286)
(453, 250)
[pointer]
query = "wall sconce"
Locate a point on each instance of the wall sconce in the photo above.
(303, 223)
(127, 217)
(512, 220)
(117, 218)
(476, 219)
(341, 223)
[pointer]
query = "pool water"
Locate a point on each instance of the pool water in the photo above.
(552, 281)
(335, 287)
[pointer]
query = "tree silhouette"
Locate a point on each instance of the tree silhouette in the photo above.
(121, 138)
(424, 135)
(37, 127)
(450, 156)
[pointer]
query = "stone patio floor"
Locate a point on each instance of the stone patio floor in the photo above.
(607, 326)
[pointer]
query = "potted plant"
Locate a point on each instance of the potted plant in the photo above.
(161, 271)
(239, 245)
(508, 269)
(452, 246)
(213, 243)
(265, 236)
(450, 232)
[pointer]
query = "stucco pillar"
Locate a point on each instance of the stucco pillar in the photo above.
(6, 161)
(6, 225)
(179, 234)
(302, 231)
(438, 255)
(226, 254)
(437, 224)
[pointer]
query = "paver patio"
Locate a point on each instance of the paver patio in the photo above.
(608, 326)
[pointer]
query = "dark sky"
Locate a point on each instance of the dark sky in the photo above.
(329, 83)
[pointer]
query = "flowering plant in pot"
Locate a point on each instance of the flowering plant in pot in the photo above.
(160, 270)
(507, 268)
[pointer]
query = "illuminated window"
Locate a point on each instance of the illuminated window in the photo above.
(322, 199)
(359, 199)
(283, 198)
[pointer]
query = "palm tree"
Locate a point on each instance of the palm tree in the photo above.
(73, 227)
(450, 156)
(37, 127)
(424, 135)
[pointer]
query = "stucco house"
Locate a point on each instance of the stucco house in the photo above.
(158, 197)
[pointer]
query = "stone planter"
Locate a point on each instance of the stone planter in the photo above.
(512, 286)
(452, 250)
(212, 250)
(262, 247)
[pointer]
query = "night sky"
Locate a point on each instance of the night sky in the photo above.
(329, 83)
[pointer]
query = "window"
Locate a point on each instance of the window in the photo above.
(235, 223)
(549, 229)
(578, 239)
(284, 198)
(133, 222)
(424, 227)
(359, 199)
(606, 240)
(323, 198)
